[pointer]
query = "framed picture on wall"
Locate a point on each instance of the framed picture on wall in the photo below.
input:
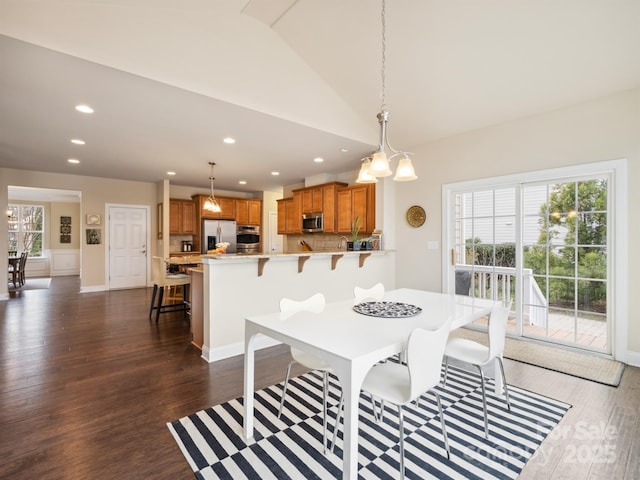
(65, 229)
(159, 221)
(93, 219)
(94, 236)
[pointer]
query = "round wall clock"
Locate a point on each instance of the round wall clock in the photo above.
(416, 216)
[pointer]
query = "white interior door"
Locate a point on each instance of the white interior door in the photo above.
(128, 246)
(275, 240)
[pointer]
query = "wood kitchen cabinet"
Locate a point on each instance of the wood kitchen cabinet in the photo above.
(182, 217)
(329, 206)
(290, 215)
(248, 211)
(312, 200)
(320, 198)
(227, 205)
(357, 200)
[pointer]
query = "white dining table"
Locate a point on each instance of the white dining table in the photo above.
(352, 343)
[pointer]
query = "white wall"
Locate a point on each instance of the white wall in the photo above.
(96, 192)
(605, 129)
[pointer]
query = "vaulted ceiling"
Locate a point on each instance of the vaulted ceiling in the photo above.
(289, 80)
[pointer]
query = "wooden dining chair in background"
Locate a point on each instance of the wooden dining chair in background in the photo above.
(22, 265)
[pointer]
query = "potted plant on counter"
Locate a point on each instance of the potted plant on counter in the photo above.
(356, 225)
(366, 243)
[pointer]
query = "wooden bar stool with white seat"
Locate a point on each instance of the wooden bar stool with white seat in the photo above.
(162, 280)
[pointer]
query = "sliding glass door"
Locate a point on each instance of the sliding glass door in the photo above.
(565, 252)
(545, 247)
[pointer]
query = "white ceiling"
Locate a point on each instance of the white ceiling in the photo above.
(290, 80)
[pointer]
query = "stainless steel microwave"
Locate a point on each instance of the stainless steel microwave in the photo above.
(312, 222)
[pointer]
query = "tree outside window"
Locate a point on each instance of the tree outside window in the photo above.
(26, 229)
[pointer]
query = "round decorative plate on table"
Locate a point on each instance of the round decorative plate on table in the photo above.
(387, 309)
(416, 216)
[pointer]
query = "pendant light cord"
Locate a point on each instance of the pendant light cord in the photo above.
(384, 48)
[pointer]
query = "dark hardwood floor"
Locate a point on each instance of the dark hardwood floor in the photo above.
(88, 384)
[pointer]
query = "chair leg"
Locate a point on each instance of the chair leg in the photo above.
(504, 382)
(401, 440)
(484, 402)
(446, 370)
(153, 300)
(376, 416)
(325, 388)
(284, 390)
(337, 424)
(444, 430)
(159, 304)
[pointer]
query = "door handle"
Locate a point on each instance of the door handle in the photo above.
(453, 257)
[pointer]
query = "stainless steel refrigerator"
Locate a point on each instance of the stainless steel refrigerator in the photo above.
(216, 231)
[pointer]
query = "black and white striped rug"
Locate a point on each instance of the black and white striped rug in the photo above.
(291, 447)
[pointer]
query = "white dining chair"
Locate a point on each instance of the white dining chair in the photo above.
(374, 293)
(478, 355)
(314, 304)
(401, 384)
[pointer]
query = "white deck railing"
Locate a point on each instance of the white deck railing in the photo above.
(496, 283)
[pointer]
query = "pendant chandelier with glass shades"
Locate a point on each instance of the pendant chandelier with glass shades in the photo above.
(377, 164)
(211, 204)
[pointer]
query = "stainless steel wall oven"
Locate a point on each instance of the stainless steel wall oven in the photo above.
(248, 239)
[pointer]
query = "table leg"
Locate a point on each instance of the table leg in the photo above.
(249, 367)
(351, 378)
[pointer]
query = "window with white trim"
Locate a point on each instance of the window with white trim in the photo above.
(26, 229)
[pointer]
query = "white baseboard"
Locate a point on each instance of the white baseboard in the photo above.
(220, 353)
(632, 358)
(93, 288)
(4, 296)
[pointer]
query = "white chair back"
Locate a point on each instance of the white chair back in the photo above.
(374, 293)
(314, 304)
(424, 357)
(158, 270)
(498, 329)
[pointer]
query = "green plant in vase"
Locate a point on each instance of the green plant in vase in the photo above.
(356, 225)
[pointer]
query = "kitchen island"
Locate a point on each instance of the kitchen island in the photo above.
(237, 286)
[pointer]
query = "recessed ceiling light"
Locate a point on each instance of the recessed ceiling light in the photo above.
(318, 159)
(275, 173)
(242, 182)
(73, 160)
(77, 141)
(84, 108)
(171, 173)
(229, 140)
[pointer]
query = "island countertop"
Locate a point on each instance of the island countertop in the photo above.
(237, 286)
(301, 253)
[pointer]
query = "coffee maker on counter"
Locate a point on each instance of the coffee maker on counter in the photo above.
(187, 246)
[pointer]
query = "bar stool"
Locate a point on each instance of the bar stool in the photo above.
(162, 280)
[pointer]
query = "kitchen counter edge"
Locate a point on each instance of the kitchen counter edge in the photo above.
(228, 257)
